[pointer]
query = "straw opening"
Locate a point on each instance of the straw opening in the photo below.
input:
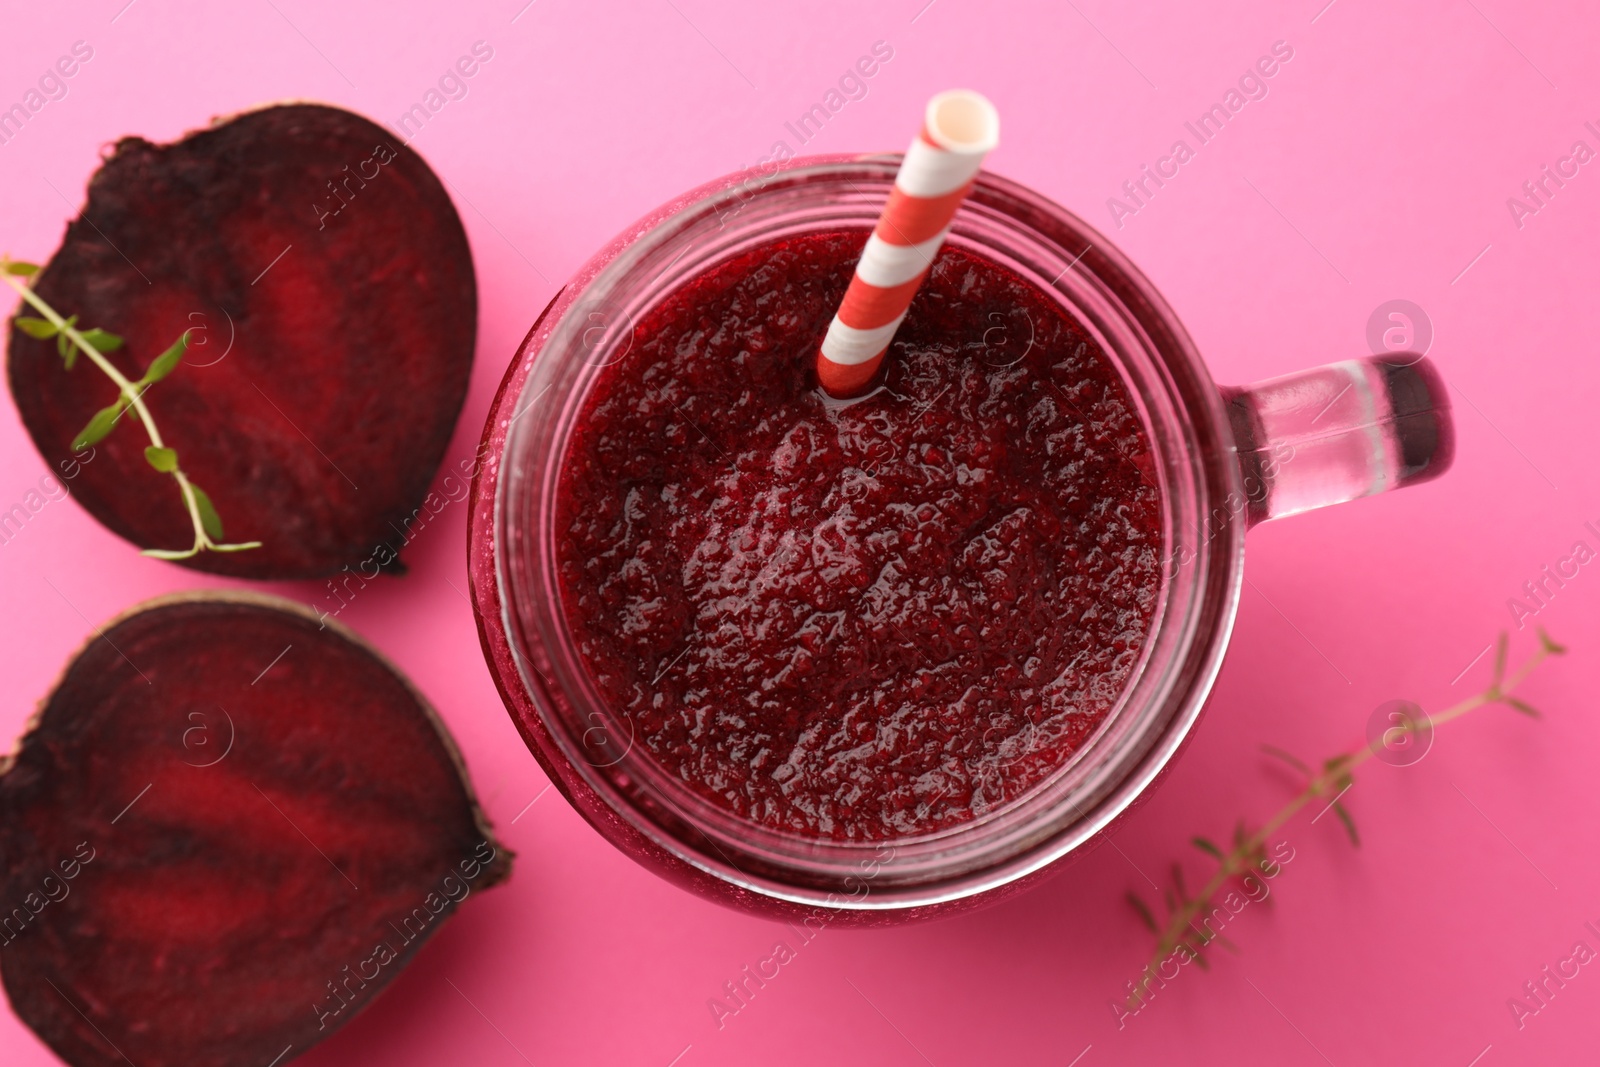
(961, 120)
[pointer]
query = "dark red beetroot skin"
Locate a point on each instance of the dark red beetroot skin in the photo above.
(207, 859)
(322, 386)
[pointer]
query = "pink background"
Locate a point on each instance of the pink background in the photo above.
(1381, 163)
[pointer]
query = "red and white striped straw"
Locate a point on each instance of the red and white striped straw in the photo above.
(959, 129)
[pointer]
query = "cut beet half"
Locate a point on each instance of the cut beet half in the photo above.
(226, 831)
(325, 281)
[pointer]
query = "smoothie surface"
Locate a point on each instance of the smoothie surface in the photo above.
(863, 620)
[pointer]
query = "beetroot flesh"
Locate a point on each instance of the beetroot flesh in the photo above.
(213, 854)
(328, 281)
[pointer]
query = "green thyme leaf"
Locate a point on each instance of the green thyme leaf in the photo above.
(1550, 644)
(1208, 848)
(1288, 757)
(39, 328)
(1349, 823)
(98, 427)
(1523, 706)
(164, 460)
(167, 361)
(1144, 911)
(210, 521)
(101, 340)
(21, 270)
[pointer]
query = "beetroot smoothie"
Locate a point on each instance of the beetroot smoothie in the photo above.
(867, 620)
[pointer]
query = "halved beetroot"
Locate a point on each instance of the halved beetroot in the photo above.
(326, 278)
(227, 830)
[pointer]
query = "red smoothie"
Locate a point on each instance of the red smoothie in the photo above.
(864, 620)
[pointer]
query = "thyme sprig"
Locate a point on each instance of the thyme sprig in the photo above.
(95, 343)
(1247, 857)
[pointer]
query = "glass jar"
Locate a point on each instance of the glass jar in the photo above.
(1225, 459)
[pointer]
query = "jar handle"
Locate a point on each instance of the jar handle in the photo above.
(1339, 432)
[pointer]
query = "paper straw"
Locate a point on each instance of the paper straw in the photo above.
(959, 129)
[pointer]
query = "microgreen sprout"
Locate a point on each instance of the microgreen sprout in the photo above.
(1247, 858)
(95, 343)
